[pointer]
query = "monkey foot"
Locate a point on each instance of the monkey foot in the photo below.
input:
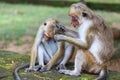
(43, 69)
(38, 67)
(69, 72)
(27, 70)
(61, 66)
(35, 68)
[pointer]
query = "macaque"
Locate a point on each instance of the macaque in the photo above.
(47, 49)
(45, 46)
(94, 42)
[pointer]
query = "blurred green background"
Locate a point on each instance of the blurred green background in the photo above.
(23, 17)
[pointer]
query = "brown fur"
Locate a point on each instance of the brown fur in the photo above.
(98, 28)
(96, 44)
(90, 59)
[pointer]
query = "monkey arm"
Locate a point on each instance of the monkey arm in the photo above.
(66, 31)
(34, 50)
(39, 36)
(71, 33)
(57, 56)
(76, 41)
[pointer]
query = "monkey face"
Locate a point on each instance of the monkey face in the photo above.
(74, 17)
(79, 13)
(48, 28)
(51, 27)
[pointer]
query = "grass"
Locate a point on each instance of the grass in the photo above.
(9, 61)
(17, 20)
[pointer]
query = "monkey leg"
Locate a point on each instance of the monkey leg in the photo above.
(32, 61)
(43, 57)
(68, 52)
(79, 63)
(56, 57)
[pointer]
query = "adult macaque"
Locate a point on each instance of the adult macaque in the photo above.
(94, 42)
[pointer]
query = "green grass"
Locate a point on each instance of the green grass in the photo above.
(17, 20)
(9, 60)
(13, 26)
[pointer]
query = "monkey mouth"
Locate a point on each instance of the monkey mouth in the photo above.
(74, 21)
(46, 36)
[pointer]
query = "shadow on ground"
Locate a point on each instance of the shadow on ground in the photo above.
(9, 60)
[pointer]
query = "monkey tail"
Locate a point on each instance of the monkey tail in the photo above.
(15, 73)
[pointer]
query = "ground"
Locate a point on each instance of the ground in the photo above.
(11, 60)
(18, 26)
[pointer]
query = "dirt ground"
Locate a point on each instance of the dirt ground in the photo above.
(13, 46)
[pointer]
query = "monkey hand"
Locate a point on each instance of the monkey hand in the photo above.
(59, 37)
(60, 66)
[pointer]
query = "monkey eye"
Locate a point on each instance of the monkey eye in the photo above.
(84, 14)
(45, 23)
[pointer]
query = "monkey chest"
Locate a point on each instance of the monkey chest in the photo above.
(50, 46)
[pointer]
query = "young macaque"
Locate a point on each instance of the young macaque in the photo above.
(47, 49)
(94, 42)
(45, 46)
